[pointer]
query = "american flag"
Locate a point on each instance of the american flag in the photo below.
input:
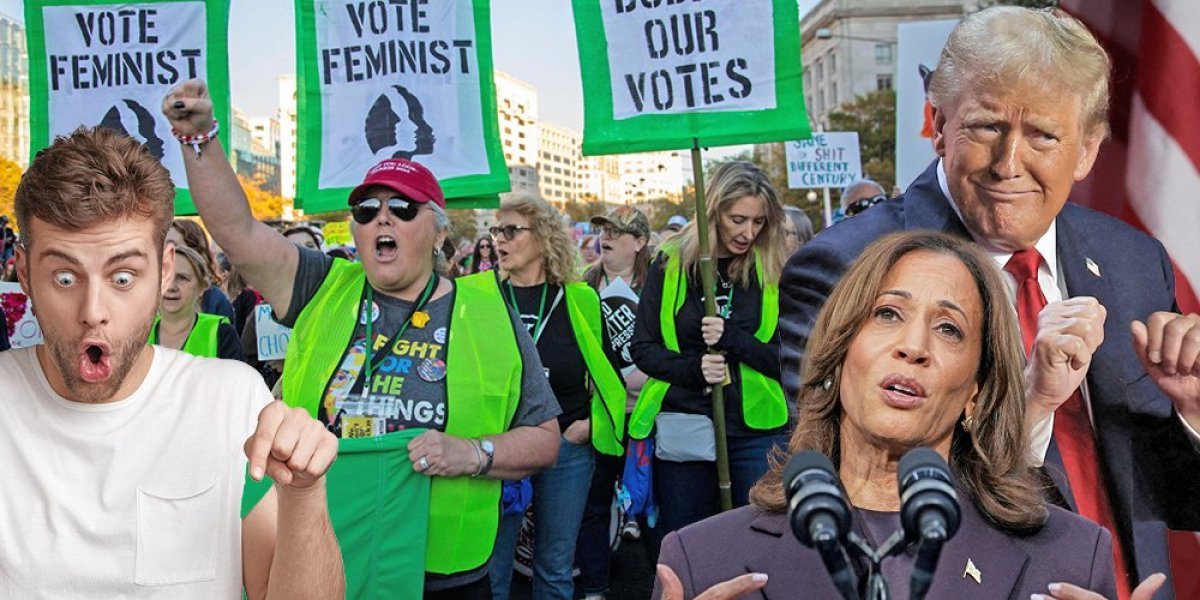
(1148, 172)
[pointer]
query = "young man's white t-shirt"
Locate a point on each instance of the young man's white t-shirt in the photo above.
(133, 499)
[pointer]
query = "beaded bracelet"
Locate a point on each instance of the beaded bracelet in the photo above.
(195, 141)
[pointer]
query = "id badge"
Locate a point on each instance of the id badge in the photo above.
(358, 427)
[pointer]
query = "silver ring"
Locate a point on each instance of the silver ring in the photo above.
(424, 463)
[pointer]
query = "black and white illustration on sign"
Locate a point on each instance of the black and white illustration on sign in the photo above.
(110, 64)
(133, 120)
(396, 80)
(396, 127)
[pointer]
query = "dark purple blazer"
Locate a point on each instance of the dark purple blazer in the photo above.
(1067, 549)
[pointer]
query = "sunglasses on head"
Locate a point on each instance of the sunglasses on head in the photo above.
(368, 208)
(508, 231)
(860, 205)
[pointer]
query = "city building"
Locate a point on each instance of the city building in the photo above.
(559, 161)
(600, 179)
(848, 47)
(287, 141)
(14, 92)
(251, 159)
(655, 176)
(517, 116)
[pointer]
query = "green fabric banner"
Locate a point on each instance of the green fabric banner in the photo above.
(379, 508)
(405, 80)
(99, 62)
(657, 75)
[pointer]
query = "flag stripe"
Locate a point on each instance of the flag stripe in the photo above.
(1169, 81)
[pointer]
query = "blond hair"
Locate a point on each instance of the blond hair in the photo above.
(992, 460)
(559, 255)
(1002, 44)
(730, 182)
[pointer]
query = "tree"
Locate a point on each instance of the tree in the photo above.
(580, 212)
(10, 176)
(263, 204)
(873, 116)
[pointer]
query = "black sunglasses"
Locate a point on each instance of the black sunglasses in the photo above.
(509, 231)
(860, 205)
(368, 208)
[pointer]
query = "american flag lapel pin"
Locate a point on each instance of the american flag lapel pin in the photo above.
(1092, 266)
(973, 572)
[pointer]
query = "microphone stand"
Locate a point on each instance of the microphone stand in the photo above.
(876, 585)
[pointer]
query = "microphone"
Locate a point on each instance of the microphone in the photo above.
(929, 512)
(819, 515)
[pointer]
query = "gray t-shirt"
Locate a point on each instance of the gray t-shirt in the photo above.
(408, 384)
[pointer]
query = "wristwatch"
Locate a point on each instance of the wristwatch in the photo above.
(489, 453)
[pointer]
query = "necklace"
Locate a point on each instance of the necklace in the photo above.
(539, 324)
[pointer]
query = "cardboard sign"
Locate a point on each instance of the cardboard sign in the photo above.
(828, 160)
(657, 75)
(383, 79)
(21, 326)
(272, 337)
(96, 63)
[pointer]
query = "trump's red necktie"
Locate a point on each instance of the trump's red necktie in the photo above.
(1072, 426)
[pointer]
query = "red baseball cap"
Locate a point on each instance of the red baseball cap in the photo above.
(403, 176)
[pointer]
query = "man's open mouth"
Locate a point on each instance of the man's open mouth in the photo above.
(94, 363)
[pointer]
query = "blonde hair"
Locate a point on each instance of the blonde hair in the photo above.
(1002, 44)
(730, 182)
(198, 265)
(559, 256)
(992, 460)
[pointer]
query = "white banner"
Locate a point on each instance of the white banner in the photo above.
(398, 80)
(827, 160)
(22, 326)
(920, 44)
(272, 337)
(112, 64)
(670, 59)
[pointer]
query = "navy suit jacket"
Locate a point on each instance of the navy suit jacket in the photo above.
(1067, 549)
(1151, 467)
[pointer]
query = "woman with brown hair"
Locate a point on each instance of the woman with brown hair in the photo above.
(916, 347)
(213, 301)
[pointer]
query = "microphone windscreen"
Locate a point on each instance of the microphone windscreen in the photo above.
(804, 461)
(920, 458)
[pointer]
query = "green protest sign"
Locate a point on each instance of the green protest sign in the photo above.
(99, 62)
(381, 79)
(658, 74)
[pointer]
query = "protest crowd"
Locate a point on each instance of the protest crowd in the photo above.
(501, 415)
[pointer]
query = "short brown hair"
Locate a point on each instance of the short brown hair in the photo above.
(92, 176)
(992, 460)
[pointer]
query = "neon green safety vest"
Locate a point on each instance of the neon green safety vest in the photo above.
(763, 404)
(483, 387)
(202, 340)
(608, 399)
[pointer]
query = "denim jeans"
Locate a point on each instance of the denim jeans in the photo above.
(687, 492)
(594, 551)
(559, 495)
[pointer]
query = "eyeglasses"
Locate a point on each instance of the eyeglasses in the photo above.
(509, 231)
(860, 205)
(368, 208)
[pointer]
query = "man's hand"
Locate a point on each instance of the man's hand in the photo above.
(713, 367)
(711, 329)
(1068, 334)
(289, 445)
(435, 453)
(737, 587)
(188, 108)
(1066, 591)
(579, 431)
(1168, 344)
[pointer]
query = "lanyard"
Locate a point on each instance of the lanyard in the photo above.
(540, 324)
(369, 310)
